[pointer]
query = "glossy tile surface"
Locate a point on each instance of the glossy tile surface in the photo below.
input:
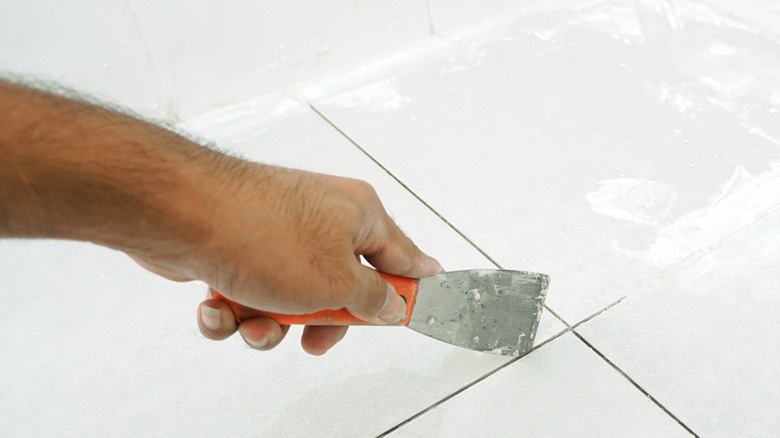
(217, 54)
(447, 15)
(601, 141)
(92, 46)
(763, 14)
(94, 345)
(562, 390)
(703, 340)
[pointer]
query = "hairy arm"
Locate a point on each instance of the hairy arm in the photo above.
(267, 237)
(76, 171)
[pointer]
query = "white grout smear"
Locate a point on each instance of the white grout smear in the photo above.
(740, 201)
(669, 96)
(644, 202)
(243, 119)
(633, 199)
(378, 96)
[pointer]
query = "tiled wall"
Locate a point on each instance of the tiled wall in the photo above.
(176, 59)
(90, 45)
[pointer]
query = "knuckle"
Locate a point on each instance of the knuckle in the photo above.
(364, 193)
(363, 188)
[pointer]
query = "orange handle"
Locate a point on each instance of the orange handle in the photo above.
(406, 287)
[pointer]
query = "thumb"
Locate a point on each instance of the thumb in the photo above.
(374, 300)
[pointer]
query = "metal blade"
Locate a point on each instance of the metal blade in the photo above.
(495, 311)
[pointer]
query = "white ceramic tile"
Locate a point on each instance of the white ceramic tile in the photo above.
(89, 45)
(449, 14)
(93, 345)
(599, 142)
(764, 14)
(704, 340)
(217, 53)
(560, 390)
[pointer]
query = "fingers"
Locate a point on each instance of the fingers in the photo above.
(374, 300)
(216, 320)
(262, 333)
(398, 255)
(317, 340)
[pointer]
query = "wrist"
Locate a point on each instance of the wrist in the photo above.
(176, 208)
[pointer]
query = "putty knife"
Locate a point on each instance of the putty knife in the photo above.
(495, 311)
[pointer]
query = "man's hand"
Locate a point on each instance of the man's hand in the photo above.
(290, 241)
(271, 238)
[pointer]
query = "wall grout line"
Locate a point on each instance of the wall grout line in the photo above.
(303, 83)
(392, 175)
(431, 27)
(170, 97)
(636, 385)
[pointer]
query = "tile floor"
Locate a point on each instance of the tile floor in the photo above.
(631, 150)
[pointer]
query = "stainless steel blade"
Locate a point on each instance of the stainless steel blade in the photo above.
(495, 311)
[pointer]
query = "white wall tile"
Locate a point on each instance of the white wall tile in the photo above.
(449, 14)
(217, 53)
(89, 45)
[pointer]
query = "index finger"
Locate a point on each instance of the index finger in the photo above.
(394, 253)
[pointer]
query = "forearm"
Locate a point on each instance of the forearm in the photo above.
(72, 170)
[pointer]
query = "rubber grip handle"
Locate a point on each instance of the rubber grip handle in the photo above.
(406, 287)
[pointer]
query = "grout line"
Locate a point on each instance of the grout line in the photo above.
(430, 17)
(469, 385)
(171, 113)
(649, 282)
(474, 245)
(636, 385)
(560, 318)
(607, 307)
(552, 338)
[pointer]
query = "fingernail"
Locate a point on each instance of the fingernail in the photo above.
(257, 343)
(438, 268)
(394, 309)
(211, 317)
(433, 265)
